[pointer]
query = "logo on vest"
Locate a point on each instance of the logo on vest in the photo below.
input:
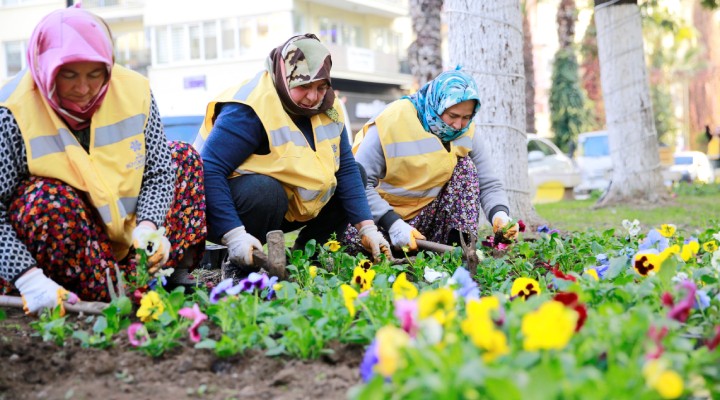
(336, 152)
(139, 161)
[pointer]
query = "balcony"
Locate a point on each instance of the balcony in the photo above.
(384, 8)
(116, 11)
(361, 64)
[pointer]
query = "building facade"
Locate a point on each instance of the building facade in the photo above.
(192, 51)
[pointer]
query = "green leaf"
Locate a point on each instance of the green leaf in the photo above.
(502, 389)
(617, 265)
(100, 325)
(206, 344)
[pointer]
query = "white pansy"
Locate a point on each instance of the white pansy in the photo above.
(715, 260)
(680, 277)
(166, 272)
(430, 330)
(633, 227)
(147, 237)
(431, 275)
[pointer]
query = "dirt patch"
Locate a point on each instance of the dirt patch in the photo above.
(33, 369)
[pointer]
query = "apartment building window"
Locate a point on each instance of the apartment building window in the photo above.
(162, 45)
(210, 39)
(385, 40)
(179, 43)
(246, 34)
(14, 57)
(335, 32)
(100, 3)
(227, 38)
(195, 42)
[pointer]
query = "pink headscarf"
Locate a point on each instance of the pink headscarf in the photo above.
(66, 36)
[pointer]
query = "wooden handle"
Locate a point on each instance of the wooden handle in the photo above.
(433, 246)
(87, 307)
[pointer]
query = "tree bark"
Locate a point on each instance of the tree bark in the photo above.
(632, 136)
(485, 37)
(425, 53)
(529, 76)
(704, 103)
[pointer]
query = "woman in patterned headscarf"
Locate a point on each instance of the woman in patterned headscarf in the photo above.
(88, 174)
(277, 156)
(428, 170)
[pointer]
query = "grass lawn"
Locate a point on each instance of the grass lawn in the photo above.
(694, 208)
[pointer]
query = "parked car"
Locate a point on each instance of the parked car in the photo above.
(694, 166)
(553, 174)
(182, 128)
(593, 159)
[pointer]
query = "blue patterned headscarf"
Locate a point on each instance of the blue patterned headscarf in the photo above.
(446, 90)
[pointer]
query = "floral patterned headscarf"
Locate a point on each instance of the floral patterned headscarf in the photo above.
(67, 36)
(446, 90)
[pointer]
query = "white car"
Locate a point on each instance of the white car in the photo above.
(694, 166)
(552, 173)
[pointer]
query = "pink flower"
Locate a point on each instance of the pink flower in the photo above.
(681, 310)
(656, 335)
(137, 334)
(197, 316)
(406, 311)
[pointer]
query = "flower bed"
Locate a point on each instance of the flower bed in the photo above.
(613, 314)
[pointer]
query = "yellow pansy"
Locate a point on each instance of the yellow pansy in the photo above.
(312, 271)
(363, 278)
(482, 307)
(349, 295)
(151, 307)
(689, 250)
(332, 245)
(592, 272)
(669, 385)
(481, 329)
(438, 304)
(403, 288)
(667, 230)
(550, 327)
(390, 341)
(524, 288)
(710, 246)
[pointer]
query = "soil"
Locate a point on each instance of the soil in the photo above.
(33, 369)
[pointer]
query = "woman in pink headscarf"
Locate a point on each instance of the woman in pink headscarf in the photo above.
(88, 175)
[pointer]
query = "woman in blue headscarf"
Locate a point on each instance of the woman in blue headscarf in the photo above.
(428, 171)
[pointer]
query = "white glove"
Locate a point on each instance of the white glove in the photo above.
(403, 234)
(155, 244)
(374, 242)
(240, 245)
(500, 221)
(40, 292)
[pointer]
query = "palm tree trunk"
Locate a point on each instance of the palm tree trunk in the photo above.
(486, 38)
(632, 137)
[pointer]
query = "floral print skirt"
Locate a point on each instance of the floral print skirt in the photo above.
(66, 235)
(456, 207)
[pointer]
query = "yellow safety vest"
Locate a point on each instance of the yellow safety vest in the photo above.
(417, 164)
(307, 176)
(110, 173)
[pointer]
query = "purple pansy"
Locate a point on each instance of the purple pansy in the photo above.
(368, 363)
(468, 288)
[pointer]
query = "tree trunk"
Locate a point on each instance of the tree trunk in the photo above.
(632, 137)
(529, 76)
(590, 70)
(425, 54)
(704, 104)
(485, 37)
(566, 16)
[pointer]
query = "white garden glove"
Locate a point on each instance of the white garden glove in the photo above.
(240, 245)
(500, 221)
(40, 292)
(155, 244)
(403, 234)
(374, 242)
